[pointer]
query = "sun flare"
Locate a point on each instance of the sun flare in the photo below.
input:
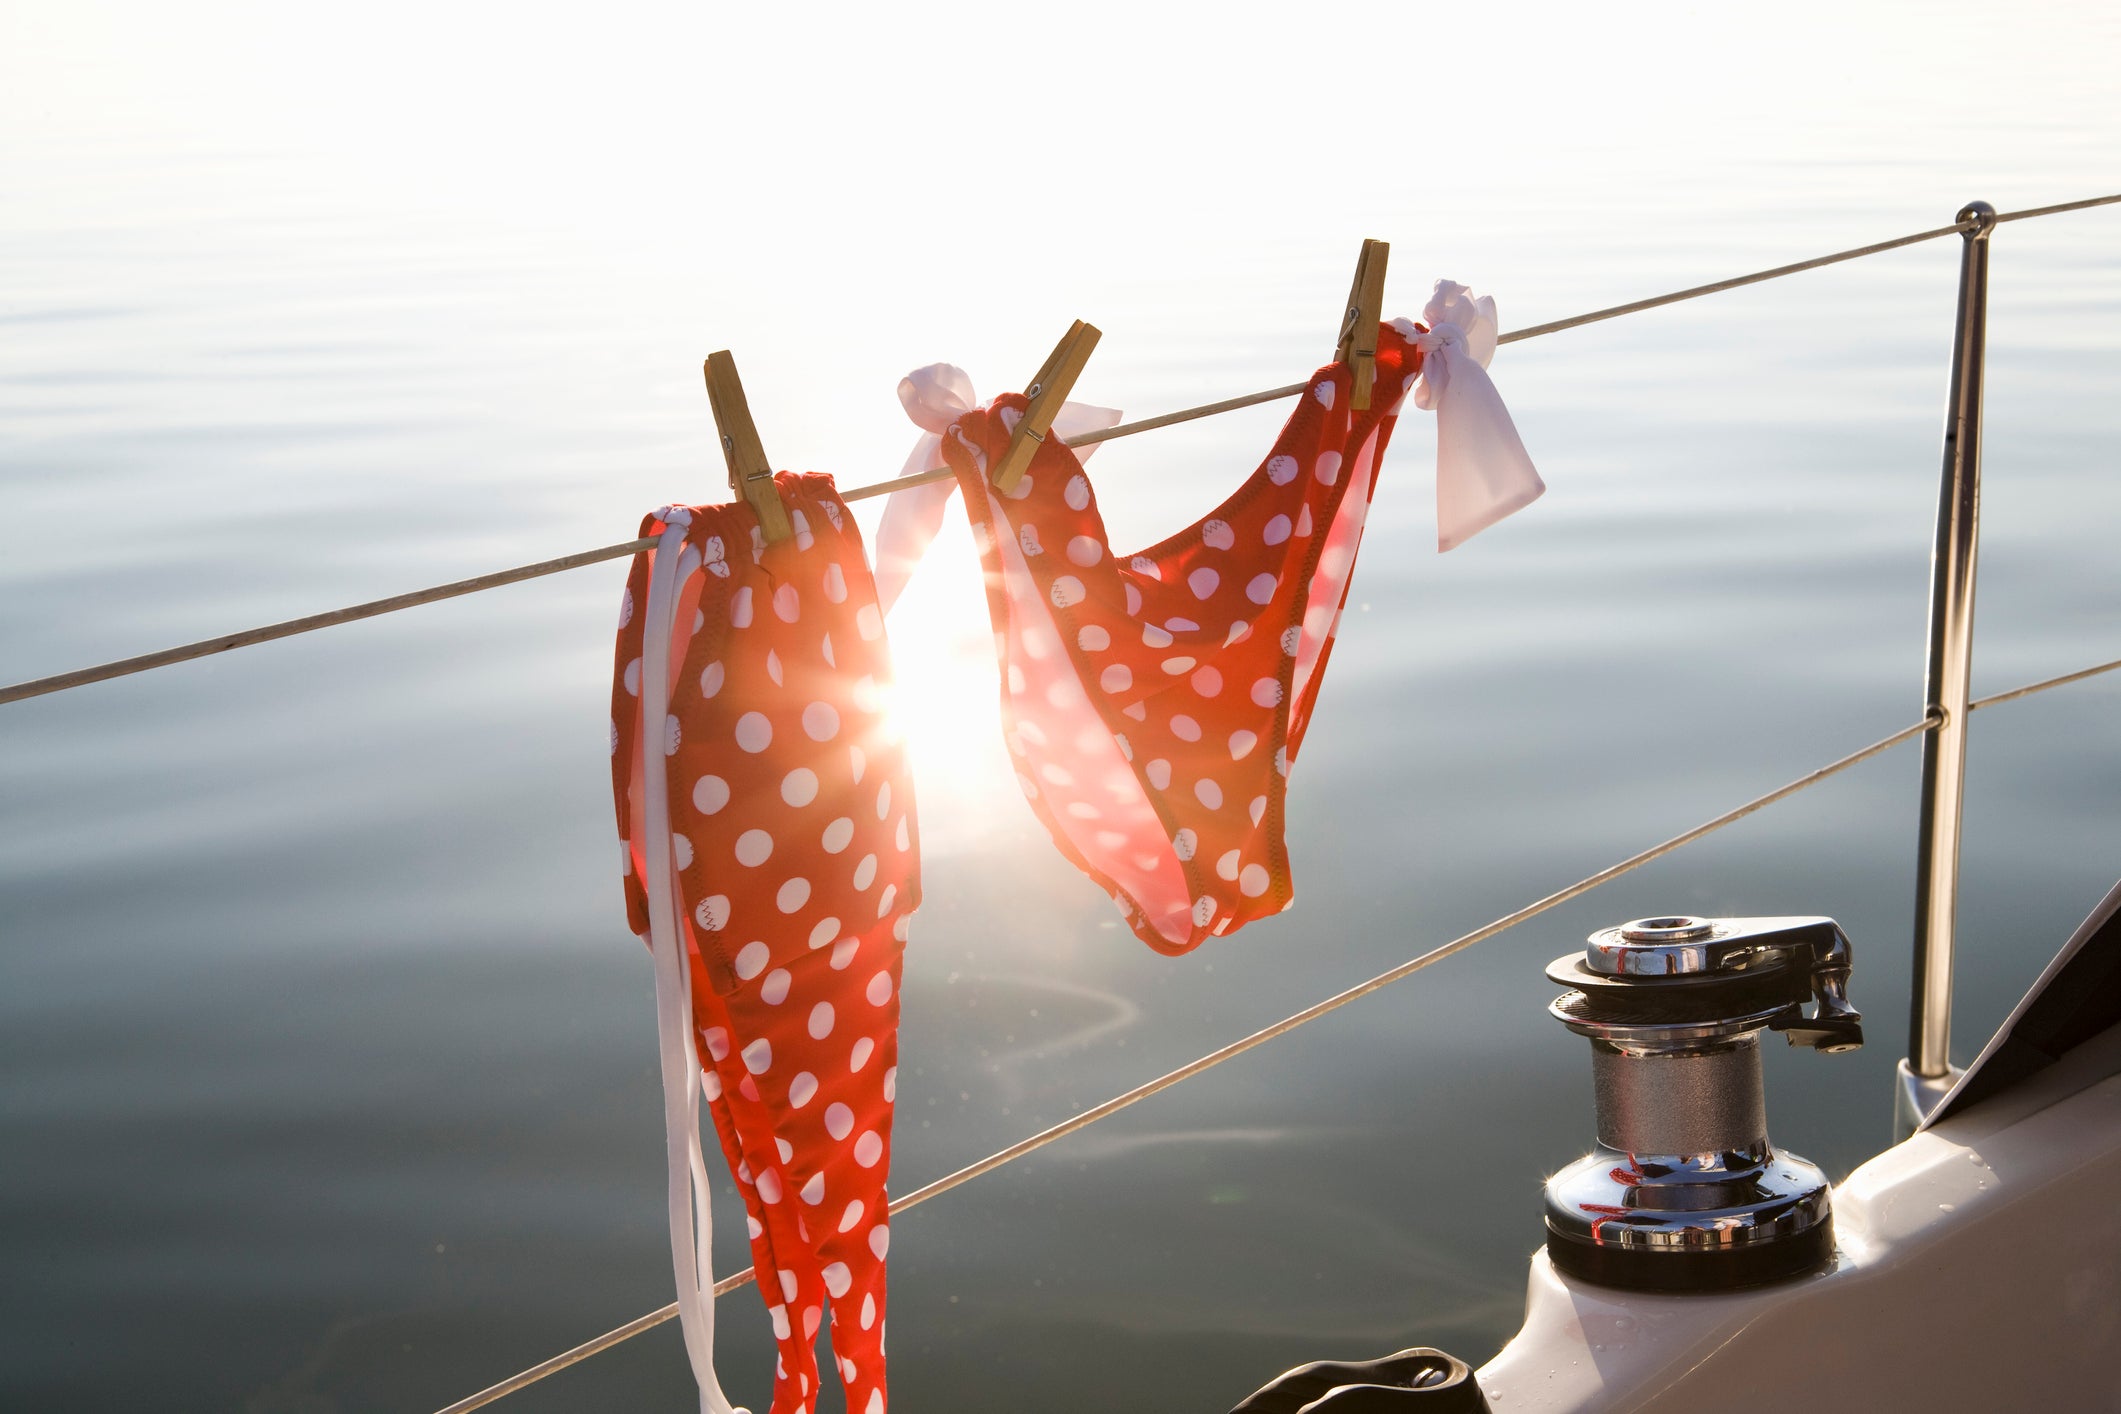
(943, 695)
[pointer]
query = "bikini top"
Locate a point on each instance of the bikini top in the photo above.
(771, 861)
(1154, 702)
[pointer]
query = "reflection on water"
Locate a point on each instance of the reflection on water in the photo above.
(328, 1076)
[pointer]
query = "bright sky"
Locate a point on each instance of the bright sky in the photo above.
(781, 120)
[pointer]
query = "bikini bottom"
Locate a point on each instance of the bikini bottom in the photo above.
(1155, 702)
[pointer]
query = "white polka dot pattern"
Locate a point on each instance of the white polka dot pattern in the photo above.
(798, 866)
(1137, 692)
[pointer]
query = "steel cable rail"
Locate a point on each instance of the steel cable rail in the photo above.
(1085, 1118)
(204, 648)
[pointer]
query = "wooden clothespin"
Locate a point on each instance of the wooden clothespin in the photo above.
(1048, 390)
(750, 474)
(1358, 332)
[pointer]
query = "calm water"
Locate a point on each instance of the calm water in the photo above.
(327, 1066)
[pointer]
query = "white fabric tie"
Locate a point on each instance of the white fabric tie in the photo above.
(1483, 472)
(691, 1217)
(934, 397)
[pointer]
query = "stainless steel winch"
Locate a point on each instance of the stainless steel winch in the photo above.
(1684, 1191)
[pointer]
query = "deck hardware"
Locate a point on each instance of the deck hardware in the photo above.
(1423, 1380)
(1683, 1191)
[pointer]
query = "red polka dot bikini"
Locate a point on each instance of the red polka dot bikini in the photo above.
(1153, 704)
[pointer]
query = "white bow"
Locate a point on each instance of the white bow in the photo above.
(934, 397)
(1483, 472)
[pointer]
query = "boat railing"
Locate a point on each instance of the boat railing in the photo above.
(1926, 1074)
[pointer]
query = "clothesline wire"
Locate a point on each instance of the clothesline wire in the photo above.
(1236, 1048)
(2043, 685)
(204, 648)
(1287, 1024)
